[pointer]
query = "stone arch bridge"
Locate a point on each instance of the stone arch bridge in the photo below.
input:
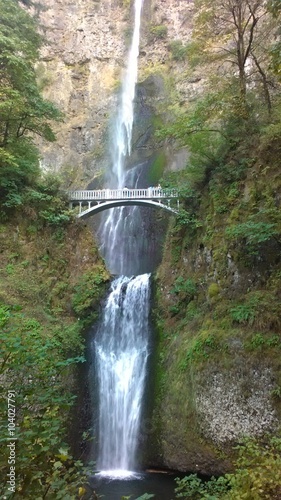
(95, 201)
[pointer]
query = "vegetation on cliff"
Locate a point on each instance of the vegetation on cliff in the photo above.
(51, 282)
(218, 288)
(44, 277)
(257, 475)
(23, 111)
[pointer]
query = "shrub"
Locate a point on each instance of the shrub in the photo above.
(187, 288)
(178, 50)
(213, 290)
(195, 488)
(244, 313)
(159, 32)
(254, 233)
(257, 476)
(89, 291)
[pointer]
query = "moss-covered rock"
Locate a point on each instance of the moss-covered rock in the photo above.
(51, 283)
(218, 348)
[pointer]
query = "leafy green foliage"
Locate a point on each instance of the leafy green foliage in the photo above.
(178, 50)
(159, 32)
(253, 232)
(243, 313)
(188, 287)
(215, 122)
(185, 218)
(184, 292)
(274, 6)
(261, 341)
(235, 30)
(257, 476)
(23, 111)
(44, 201)
(258, 472)
(201, 348)
(33, 363)
(195, 488)
(247, 312)
(88, 292)
(258, 233)
(259, 309)
(145, 496)
(187, 124)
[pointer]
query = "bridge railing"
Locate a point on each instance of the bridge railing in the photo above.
(115, 194)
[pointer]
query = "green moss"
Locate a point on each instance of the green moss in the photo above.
(157, 168)
(42, 343)
(213, 290)
(89, 291)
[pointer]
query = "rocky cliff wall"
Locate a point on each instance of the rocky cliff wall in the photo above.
(217, 364)
(81, 69)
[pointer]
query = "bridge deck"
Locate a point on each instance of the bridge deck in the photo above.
(102, 199)
(123, 194)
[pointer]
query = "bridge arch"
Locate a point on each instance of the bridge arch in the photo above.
(121, 203)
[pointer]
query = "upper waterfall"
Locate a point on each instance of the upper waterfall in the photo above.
(124, 122)
(117, 231)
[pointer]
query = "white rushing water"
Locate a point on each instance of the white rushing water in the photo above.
(117, 224)
(121, 351)
(120, 346)
(124, 123)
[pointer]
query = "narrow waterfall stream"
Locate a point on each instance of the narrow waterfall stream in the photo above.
(116, 232)
(120, 346)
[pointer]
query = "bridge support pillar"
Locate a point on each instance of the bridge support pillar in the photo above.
(80, 207)
(89, 204)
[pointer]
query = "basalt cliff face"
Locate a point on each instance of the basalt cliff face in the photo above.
(81, 69)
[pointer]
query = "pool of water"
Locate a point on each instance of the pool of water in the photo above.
(162, 485)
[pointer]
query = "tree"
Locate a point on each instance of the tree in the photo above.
(236, 33)
(274, 7)
(23, 111)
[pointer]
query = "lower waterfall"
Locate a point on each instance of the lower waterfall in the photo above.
(120, 351)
